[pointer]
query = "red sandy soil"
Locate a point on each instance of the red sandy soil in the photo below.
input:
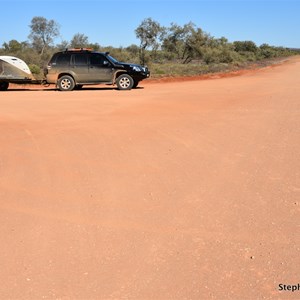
(181, 190)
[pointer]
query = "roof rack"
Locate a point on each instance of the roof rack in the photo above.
(78, 49)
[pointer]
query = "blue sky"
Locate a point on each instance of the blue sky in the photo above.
(112, 22)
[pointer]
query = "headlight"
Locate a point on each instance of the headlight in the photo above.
(137, 69)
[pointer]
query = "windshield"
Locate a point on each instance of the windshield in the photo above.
(112, 59)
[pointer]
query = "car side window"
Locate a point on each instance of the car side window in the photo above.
(99, 60)
(63, 59)
(80, 59)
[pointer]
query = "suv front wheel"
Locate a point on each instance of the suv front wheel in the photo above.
(66, 83)
(125, 82)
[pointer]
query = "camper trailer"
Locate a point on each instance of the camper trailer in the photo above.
(14, 70)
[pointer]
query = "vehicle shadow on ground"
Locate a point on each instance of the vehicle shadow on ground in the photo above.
(104, 89)
(75, 90)
(28, 90)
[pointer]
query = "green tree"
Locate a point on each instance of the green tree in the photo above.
(267, 51)
(43, 32)
(148, 32)
(12, 46)
(176, 37)
(63, 45)
(245, 46)
(195, 45)
(79, 40)
(94, 46)
(186, 42)
(247, 50)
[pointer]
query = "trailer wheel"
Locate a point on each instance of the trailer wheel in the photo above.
(4, 86)
(66, 83)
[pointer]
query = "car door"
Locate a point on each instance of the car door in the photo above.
(79, 64)
(100, 69)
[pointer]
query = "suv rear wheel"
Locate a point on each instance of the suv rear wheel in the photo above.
(66, 83)
(125, 82)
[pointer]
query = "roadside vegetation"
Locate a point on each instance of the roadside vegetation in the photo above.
(168, 51)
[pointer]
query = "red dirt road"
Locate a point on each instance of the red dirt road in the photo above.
(187, 190)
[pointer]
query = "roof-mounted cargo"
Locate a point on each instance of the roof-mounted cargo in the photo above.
(79, 49)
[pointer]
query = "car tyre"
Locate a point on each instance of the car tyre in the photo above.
(125, 82)
(66, 83)
(135, 84)
(4, 86)
(78, 87)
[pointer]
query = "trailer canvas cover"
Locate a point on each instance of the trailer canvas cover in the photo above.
(13, 68)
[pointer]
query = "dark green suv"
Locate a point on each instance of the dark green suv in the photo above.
(73, 68)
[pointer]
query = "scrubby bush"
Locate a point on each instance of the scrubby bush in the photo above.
(35, 70)
(245, 46)
(174, 50)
